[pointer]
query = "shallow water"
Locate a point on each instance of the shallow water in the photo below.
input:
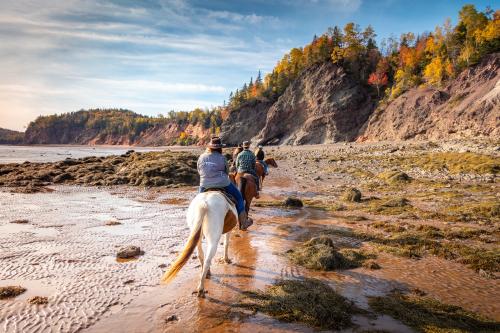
(52, 153)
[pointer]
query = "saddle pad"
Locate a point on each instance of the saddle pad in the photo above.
(230, 222)
(229, 198)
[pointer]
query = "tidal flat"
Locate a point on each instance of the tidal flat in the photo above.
(426, 241)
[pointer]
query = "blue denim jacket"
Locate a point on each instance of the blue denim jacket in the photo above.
(213, 170)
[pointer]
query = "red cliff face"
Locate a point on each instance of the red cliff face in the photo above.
(467, 106)
(323, 105)
(326, 105)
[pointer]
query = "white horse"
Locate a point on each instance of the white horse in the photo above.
(205, 217)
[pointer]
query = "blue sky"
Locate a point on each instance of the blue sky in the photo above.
(153, 56)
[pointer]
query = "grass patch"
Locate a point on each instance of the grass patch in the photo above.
(470, 211)
(429, 315)
(308, 301)
(319, 253)
(324, 205)
(395, 206)
(455, 162)
(416, 242)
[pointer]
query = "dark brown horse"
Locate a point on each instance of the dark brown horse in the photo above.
(247, 186)
(259, 168)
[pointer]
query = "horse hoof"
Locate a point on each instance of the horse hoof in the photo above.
(224, 260)
(201, 293)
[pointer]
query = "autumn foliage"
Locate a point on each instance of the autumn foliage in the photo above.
(398, 64)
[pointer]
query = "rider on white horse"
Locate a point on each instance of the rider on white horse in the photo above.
(213, 170)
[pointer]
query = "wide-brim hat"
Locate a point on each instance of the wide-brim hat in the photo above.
(215, 142)
(246, 144)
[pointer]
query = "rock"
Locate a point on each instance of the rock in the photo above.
(62, 177)
(129, 252)
(485, 274)
(395, 176)
(293, 202)
(11, 291)
(317, 178)
(172, 318)
(38, 300)
(20, 221)
(113, 222)
(371, 264)
(352, 195)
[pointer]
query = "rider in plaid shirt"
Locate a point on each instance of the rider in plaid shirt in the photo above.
(245, 162)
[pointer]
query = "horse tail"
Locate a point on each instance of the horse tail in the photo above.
(193, 240)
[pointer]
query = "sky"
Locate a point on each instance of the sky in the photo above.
(153, 56)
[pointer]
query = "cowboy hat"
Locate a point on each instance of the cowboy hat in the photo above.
(215, 142)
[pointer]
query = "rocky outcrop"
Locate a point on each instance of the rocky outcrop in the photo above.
(467, 106)
(9, 137)
(165, 168)
(324, 105)
(245, 122)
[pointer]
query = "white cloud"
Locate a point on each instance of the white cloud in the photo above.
(59, 56)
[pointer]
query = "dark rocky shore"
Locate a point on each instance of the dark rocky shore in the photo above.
(171, 169)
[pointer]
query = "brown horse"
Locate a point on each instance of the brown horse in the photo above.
(247, 186)
(259, 168)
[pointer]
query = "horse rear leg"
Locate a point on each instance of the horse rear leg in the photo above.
(211, 249)
(226, 259)
(201, 257)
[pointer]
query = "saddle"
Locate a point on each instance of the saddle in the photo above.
(230, 220)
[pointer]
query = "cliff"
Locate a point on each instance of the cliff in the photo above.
(467, 106)
(114, 127)
(9, 137)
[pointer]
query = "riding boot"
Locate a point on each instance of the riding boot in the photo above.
(244, 220)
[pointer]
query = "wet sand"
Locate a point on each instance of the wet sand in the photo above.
(67, 253)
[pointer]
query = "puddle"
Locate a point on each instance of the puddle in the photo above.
(14, 228)
(33, 288)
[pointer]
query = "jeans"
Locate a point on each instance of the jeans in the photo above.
(266, 167)
(232, 190)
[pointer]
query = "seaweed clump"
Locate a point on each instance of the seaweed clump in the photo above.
(429, 315)
(319, 253)
(307, 301)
